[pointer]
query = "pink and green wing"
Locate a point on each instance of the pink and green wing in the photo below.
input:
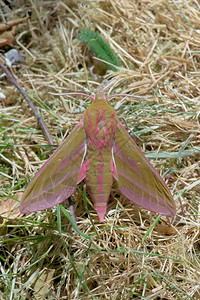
(138, 180)
(58, 177)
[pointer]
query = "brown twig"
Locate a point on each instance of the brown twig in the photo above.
(34, 109)
(12, 23)
(40, 121)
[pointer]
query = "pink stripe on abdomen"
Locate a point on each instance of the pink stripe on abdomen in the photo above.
(100, 178)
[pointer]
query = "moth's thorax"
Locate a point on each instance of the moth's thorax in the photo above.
(100, 123)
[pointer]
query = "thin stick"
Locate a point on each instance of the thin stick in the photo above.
(34, 109)
(39, 119)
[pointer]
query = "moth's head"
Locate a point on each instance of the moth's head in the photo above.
(99, 96)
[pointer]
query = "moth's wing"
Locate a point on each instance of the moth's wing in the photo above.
(84, 168)
(138, 180)
(58, 177)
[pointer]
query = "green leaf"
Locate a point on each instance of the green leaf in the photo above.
(100, 47)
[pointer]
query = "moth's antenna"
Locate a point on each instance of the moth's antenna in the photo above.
(127, 95)
(65, 94)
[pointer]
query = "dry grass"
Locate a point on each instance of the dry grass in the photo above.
(158, 44)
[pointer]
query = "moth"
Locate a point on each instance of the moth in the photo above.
(97, 150)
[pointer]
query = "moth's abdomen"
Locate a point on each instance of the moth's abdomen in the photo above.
(99, 179)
